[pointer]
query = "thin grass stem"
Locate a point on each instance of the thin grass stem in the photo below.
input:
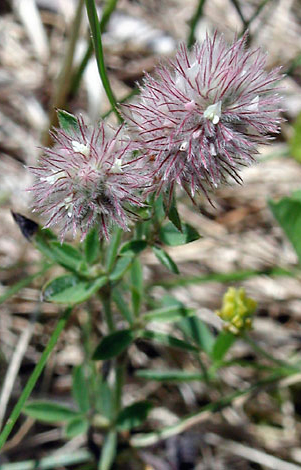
(96, 35)
(194, 22)
(110, 6)
(34, 377)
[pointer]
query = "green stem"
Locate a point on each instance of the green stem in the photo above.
(239, 11)
(106, 297)
(222, 277)
(182, 425)
(34, 377)
(96, 36)
(107, 12)
(265, 354)
(119, 381)
(193, 24)
(23, 283)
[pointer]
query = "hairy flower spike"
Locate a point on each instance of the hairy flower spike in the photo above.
(202, 117)
(88, 178)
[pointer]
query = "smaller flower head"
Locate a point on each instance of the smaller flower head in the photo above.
(88, 178)
(200, 119)
(237, 310)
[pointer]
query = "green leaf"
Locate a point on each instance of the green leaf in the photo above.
(169, 375)
(113, 344)
(108, 451)
(70, 289)
(122, 305)
(92, 246)
(159, 211)
(49, 411)
(173, 214)
(67, 121)
(167, 340)
(222, 344)
(170, 313)
(295, 141)
(68, 256)
(165, 259)
(137, 285)
(104, 398)
(120, 268)
(113, 247)
(133, 248)
(76, 426)
(133, 415)
(80, 390)
(62, 253)
(199, 332)
(171, 236)
(287, 212)
(42, 240)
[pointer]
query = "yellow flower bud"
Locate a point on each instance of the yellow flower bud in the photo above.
(237, 310)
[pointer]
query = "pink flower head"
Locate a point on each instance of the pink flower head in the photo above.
(202, 117)
(88, 178)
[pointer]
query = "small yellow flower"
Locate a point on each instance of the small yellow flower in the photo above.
(237, 310)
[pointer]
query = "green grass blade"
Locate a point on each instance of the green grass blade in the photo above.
(34, 377)
(96, 35)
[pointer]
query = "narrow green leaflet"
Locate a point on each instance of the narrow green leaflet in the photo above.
(133, 415)
(108, 451)
(199, 332)
(49, 411)
(104, 398)
(165, 259)
(168, 314)
(113, 247)
(222, 344)
(169, 375)
(167, 340)
(76, 426)
(42, 239)
(70, 289)
(295, 141)
(122, 305)
(68, 256)
(92, 246)
(120, 268)
(113, 344)
(171, 236)
(173, 214)
(62, 253)
(67, 121)
(80, 389)
(133, 248)
(159, 211)
(137, 285)
(287, 212)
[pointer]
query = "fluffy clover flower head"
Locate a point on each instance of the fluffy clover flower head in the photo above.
(88, 178)
(203, 115)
